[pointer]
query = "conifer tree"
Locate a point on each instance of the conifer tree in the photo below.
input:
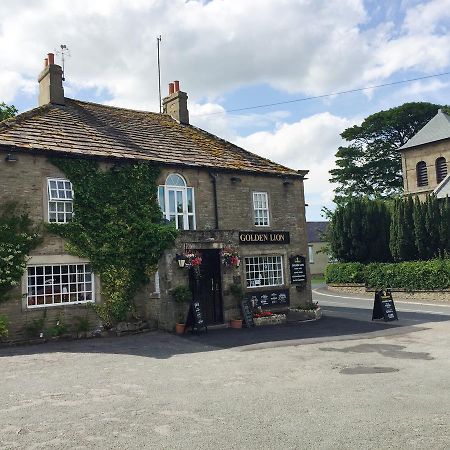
(394, 235)
(432, 225)
(420, 232)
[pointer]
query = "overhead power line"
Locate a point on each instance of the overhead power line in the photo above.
(314, 97)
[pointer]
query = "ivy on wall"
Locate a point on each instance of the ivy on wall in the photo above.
(17, 237)
(118, 226)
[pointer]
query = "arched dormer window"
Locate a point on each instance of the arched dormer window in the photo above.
(422, 174)
(177, 203)
(441, 169)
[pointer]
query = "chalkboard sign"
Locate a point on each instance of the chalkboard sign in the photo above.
(297, 266)
(269, 298)
(247, 313)
(195, 317)
(383, 306)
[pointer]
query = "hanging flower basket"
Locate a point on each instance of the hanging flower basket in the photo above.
(230, 257)
(192, 260)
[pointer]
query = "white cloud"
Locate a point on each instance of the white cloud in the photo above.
(299, 144)
(217, 46)
(310, 144)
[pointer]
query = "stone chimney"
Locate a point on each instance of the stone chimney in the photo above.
(50, 83)
(176, 103)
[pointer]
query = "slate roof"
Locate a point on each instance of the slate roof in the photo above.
(436, 129)
(443, 188)
(98, 130)
(316, 230)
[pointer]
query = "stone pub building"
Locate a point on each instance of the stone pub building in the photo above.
(222, 198)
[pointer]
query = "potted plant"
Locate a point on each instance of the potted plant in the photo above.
(182, 295)
(236, 323)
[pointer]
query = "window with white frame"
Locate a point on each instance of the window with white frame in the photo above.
(60, 200)
(177, 202)
(311, 254)
(260, 209)
(49, 285)
(264, 271)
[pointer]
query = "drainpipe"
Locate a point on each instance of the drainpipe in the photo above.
(213, 176)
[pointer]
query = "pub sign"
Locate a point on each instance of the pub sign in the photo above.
(279, 297)
(264, 237)
(297, 268)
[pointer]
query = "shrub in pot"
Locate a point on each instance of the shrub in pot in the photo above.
(182, 295)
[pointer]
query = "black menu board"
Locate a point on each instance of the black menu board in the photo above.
(280, 297)
(195, 317)
(297, 268)
(247, 313)
(383, 306)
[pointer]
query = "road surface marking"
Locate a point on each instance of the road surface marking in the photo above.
(371, 299)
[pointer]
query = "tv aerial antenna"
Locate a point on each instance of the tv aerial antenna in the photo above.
(64, 53)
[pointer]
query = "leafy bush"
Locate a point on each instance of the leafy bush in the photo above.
(343, 273)
(3, 327)
(412, 275)
(17, 238)
(82, 324)
(182, 294)
(58, 329)
(236, 291)
(35, 328)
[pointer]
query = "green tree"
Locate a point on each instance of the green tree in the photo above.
(17, 237)
(370, 165)
(444, 227)
(7, 111)
(432, 219)
(420, 232)
(404, 247)
(359, 231)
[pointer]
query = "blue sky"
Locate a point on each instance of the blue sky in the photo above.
(229, 54)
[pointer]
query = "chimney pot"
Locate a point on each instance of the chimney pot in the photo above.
(176, 103)
(50, 83)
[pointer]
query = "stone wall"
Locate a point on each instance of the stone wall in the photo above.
(428, 153)
(433, 296)
(25, 182)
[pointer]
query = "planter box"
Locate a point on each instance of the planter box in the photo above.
(276, 319)
(298, 315)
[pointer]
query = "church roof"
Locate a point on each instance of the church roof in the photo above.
(436, 129)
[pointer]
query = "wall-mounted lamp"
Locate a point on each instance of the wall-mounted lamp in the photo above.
(287, 181)
(181, 260)
(10, 158)
(235, 179)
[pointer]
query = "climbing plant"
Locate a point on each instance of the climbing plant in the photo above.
(118, 226)
(18, 236)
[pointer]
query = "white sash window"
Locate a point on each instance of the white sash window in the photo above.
(177, 202)
(60, 200)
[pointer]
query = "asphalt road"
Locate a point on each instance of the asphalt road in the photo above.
(343, 382)
(358, 307)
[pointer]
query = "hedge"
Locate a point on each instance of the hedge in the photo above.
(343, 273)
(413, 275)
